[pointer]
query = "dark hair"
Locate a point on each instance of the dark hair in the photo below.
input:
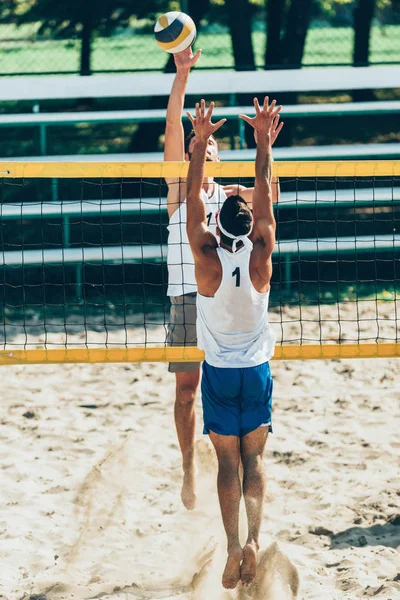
(235, 217)
(188, 139)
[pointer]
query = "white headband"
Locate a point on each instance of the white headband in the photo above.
(236, 238)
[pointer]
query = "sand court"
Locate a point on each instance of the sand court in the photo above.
(91, 477)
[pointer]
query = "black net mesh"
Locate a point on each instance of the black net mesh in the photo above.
(83, 263)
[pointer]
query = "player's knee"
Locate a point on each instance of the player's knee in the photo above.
(228, 465)
(228, 474)
(185, 395)
(253, 464)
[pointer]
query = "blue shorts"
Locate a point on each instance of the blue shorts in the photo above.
(236, 401)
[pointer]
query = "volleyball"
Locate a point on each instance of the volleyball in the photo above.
(175, 31)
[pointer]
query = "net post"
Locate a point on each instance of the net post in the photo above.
(42, 137)
(241, 134)
(232, 102)
(54, 189)
(66, 231)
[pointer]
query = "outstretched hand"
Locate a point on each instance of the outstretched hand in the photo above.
(275, 129)
(185, 60)
(266, 122)
(202, 126)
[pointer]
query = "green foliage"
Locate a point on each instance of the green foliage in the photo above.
(65, 17)
(331, 4)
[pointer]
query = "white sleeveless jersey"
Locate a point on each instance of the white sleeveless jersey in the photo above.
(181, 279)
(232, 327)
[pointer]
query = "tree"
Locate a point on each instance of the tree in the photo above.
(239, 16)
(82, 18)
(294, 40)
(287, 26)
(363, 15)
(275, 15)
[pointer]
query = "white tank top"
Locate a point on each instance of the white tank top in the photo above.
(181, 279)
(232, 327)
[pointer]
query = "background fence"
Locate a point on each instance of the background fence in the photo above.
(129, 46)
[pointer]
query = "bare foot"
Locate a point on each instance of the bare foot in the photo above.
(188, 494)
(248, 569)
(231, 575)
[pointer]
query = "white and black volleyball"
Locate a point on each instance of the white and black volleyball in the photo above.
(175, 31)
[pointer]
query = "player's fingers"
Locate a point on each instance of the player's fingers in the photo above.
(276, 111)
(266, 100)
(248, 120)
(190, 117)
(275, 121)
(196, 57)
(219, 124)
(281, 124)
(257, 106)
(210, 110)
(272, 106)
(202, 107)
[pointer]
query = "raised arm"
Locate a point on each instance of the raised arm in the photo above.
(264, 123)
(196, 221)
(247, 192)
(174, 148)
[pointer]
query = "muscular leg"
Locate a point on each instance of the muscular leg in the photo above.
(185, 421)
(252, 453)
(227, 448)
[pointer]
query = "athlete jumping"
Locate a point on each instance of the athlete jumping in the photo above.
(233, 282)
(182, 286)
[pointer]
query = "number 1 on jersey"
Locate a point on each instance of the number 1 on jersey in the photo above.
(237, 273)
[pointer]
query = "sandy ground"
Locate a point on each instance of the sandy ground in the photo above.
(90, 486)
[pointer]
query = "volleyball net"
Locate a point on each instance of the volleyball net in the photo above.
(83, 271)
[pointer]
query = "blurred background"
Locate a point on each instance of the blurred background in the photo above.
(44, 37)
(101, 36)
(55, 41)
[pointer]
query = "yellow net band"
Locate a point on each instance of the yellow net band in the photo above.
(190, 354)
(78, 170)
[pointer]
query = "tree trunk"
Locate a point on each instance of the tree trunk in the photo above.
(293, 43)
(297, 24)
(274, 15)
(86, 45)
(239, 16)
(197, 9)
(363, 16)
